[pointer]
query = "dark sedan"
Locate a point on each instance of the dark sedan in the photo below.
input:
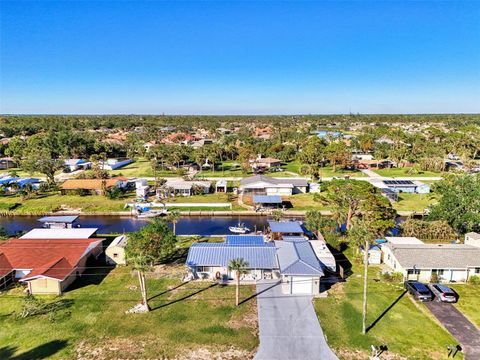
(418, 290)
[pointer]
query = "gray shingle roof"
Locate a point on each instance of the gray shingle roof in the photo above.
(297, 258)
(436, 256)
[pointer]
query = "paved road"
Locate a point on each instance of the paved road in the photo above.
(459, 326)
(289, 327)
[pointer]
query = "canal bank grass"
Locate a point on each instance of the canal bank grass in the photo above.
(469, 301)
(406, 327)
(94, 325)
(47, 203)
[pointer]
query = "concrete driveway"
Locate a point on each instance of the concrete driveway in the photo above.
(467, 334)
(289, 328)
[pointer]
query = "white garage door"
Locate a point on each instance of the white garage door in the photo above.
(301, 285)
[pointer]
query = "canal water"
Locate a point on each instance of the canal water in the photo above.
(188, 225)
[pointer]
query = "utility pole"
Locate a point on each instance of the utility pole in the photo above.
(365, 284)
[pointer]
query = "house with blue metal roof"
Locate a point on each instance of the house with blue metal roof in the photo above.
(292, 260)
(279, 229)
(210, 260)
(300, 268)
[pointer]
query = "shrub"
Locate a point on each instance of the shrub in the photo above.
(394, 277)
(474, 280)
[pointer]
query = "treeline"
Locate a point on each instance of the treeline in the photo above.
(11, 125)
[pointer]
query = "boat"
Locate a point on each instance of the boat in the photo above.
(144, 212)
(239, 229)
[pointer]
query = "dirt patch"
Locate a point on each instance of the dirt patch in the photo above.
(170, 271)
(347, 354)
(208, 354)
(249, 320)
(116, 348)
(337, 290)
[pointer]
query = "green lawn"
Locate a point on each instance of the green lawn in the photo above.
(402, 172)
(407, 328)
(50, 202)
(414, 202)
(293, 166)
(141, 168)
(469, 301)
(186, 317)
(327, 172)
(304, 202)
(23, 173)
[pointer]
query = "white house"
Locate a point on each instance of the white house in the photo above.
(77, 164)
(264, 185)
(450, 262)
(113, 164)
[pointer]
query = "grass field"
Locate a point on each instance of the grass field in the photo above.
(414, 202)
(407, 328)
(403, 172)
(469, 301)
(50, 202)
(185, 318)
(304, 202)
(327, 172)
(141, 168)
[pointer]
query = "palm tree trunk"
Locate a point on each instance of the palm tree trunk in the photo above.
(365, 284)
(237, 290)
(349, 218)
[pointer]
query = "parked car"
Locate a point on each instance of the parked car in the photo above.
(418, 290)
(443, 293)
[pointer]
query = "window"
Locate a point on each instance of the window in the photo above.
(115, 255)
(477, 270)
(413, 272)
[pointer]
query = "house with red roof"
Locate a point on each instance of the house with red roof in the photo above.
(46, 266)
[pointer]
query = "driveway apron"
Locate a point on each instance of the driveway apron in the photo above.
(467, 334)
(289, 327)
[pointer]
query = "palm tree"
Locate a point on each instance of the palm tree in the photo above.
(173, 216)
(240, 266)
(141, 263)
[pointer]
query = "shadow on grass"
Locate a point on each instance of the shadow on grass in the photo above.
(96, 271)
(386, 311)
(167, 291)
(40, 352)
(185, 297)
(258, 293)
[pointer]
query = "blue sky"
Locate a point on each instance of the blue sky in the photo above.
(239, 57)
